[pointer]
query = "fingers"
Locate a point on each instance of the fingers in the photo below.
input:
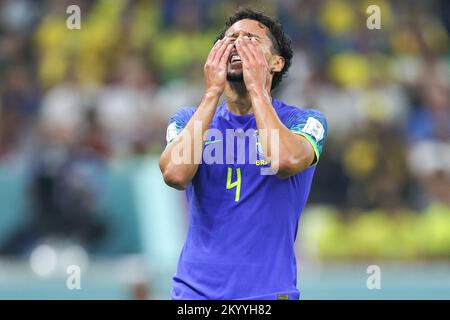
(244, 51)
(226, 53)
(256, 49)
(214, 49)
(221, 50)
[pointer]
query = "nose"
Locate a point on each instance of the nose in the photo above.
(240, 35)
(236, 37)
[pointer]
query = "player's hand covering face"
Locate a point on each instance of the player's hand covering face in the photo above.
(254, 64)
(253, 59)
(215, 70)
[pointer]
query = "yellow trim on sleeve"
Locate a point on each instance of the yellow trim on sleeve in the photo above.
(313, 144)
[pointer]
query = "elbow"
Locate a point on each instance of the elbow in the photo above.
(284, 169)
(173, 178)
(289, 166)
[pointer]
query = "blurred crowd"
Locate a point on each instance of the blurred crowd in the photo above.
(73, 101)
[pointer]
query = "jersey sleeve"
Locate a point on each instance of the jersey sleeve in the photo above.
(178, 121)
(312, 125)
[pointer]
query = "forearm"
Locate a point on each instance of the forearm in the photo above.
(179, 161)
(286, 152)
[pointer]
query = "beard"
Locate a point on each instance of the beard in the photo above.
(235, 77)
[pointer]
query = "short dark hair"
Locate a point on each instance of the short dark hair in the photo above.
(280, 41)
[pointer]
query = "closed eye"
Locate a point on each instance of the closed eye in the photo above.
(235, 35)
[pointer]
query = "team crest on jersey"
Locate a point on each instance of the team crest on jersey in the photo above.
(259, 148)
(259, 151)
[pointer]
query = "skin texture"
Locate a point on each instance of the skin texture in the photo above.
(249, 92)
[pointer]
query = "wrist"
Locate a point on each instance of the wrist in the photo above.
(258, 93)
(210, 99)
(213, 93)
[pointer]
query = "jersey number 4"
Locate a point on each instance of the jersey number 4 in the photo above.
(236, 184)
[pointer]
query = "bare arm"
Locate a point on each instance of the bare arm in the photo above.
(295, 153)
(189, 143)
(290, 153)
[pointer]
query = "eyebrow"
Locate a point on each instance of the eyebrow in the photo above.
(234, 34)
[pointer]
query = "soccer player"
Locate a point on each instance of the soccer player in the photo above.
(242, 223)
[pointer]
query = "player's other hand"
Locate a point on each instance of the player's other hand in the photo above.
(254, 64)
(215, 70)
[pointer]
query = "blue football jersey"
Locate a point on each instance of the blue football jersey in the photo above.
(242, 223)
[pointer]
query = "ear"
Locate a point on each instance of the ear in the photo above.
(277, 64)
